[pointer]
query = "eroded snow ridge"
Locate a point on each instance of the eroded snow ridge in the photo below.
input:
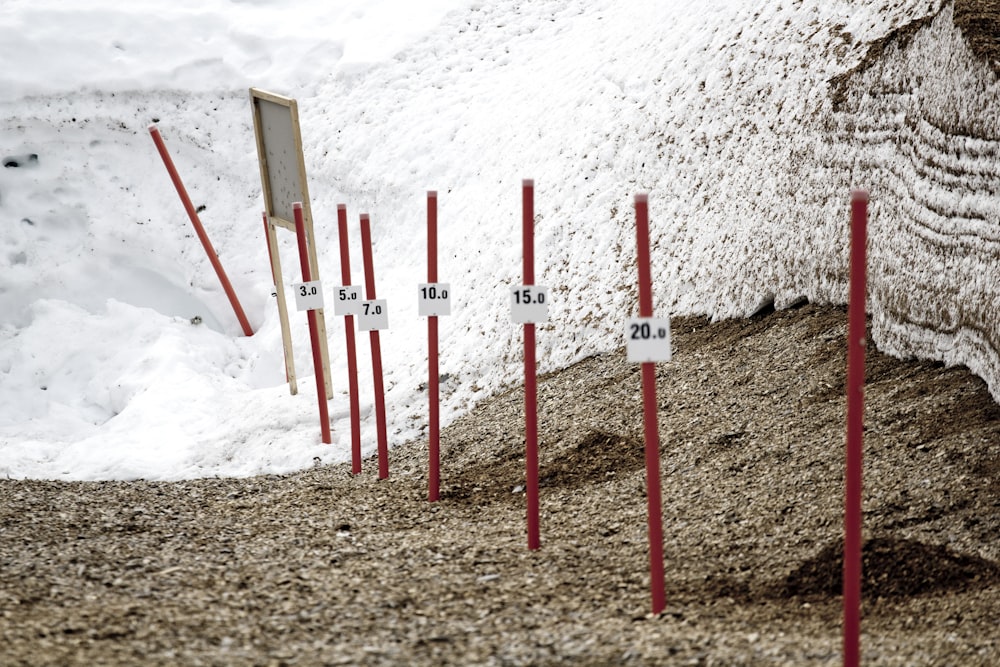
(919, 125)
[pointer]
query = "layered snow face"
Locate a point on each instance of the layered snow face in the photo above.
(921, 130)
(120, 356)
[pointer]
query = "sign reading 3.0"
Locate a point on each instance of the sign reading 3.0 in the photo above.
(647, 339)
(374, 315)
(529, 304)
(433, 299)
(347, 300)
(308, 296)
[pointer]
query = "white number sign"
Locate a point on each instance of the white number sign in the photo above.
(529, 304)
(647, 339)
(374, 315)
(433, 299)
(308, 296)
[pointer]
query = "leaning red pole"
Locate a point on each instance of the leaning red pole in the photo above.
(650, 426)
(352, 352)
(324, 416)
(200, 230)
(856, 334)
(434, 413)
(383, 443)
(530, 378)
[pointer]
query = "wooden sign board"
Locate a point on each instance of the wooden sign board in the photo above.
(283, 181)
(279, 151)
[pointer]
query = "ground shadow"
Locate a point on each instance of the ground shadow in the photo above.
(892, 568)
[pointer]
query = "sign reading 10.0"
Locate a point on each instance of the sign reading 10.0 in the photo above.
(433, 299)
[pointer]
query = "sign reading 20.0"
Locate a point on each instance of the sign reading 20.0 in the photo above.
(647, 339)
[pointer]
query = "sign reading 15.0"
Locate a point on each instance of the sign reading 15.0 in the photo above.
(529, 304)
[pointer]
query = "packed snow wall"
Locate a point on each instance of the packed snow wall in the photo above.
(749, 135)
(747, 122)
(914, 122)
(912, 119)
(921, 123)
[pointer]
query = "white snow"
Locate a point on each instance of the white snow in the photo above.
(717, 113)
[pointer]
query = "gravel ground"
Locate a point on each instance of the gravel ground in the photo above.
(321, 567)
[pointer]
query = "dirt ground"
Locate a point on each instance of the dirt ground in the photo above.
(979, 21)
(321, 567)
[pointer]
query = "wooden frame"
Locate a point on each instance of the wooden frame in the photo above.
(283, 180)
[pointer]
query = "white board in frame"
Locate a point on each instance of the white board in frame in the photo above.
(279, 152)
(283, 182)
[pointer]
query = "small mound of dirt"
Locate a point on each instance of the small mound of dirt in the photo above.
(596, 456)
(892, 568)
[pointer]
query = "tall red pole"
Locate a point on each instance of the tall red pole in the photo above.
(530, 378)
(200, 230)
(856, 334)
(352, 352)
(324, 416)
(434, 416)
(650, 426)
(383, 443)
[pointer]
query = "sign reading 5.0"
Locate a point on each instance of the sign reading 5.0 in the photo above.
(308, 296)
(647, 339)
(529, 304)
(433, 299)
(347, 300)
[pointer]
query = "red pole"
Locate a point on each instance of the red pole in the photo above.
(530, 379)
(650, 426)
(300, 233)
(856, 332)
(434, 419)
(200, 230)
(383, 445)
(352, 353)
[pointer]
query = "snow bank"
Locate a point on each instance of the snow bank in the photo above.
(748, 125)
(921, 130)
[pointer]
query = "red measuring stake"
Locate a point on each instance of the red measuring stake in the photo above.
(530, 371)
(352, 352)
(300, 233)
(433, 368)
(856, 334)
(650, 425)
(383, 444)
(200, 231)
